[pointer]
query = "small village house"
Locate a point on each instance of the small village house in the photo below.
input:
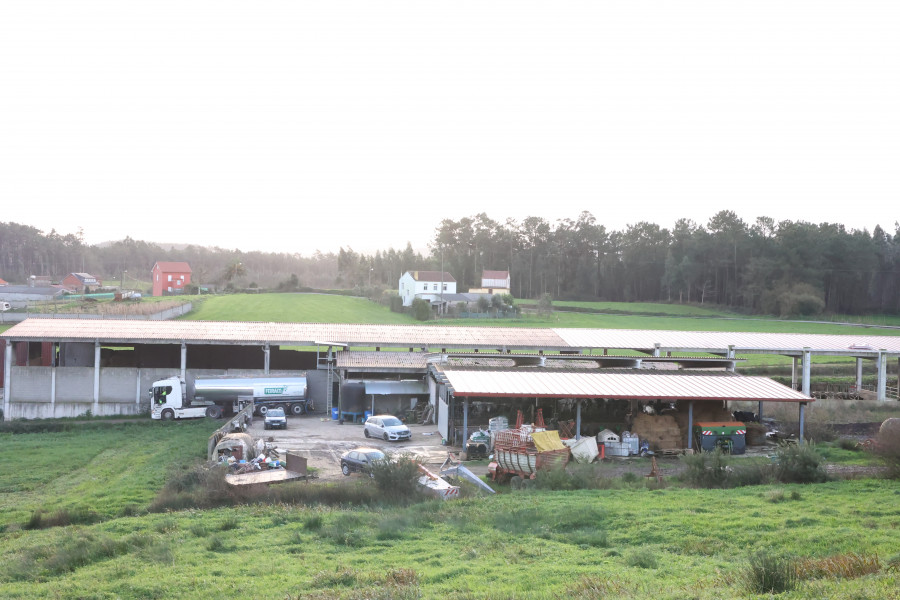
(170, 278)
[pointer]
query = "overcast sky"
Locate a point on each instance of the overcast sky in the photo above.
(296, 126)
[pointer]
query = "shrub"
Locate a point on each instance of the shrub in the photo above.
(642, 559)
(799, 463)
(421, 310)
(841, 566)
(888, 449)
(768, 574)
(707, 470)
(397, 478)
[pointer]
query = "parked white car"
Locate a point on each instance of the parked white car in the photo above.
(386, 427)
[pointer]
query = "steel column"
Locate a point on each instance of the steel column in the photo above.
(690, 432)
(96, 409)
(52, 392)
(759, 411)
(859, 365)
(578, 419)
(7, 383)
(802, 420)
(882, 375)
(807, 359)
(266, 358)
(465, 423)
(795, 361)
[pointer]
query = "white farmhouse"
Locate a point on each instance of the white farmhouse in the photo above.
(427, 285)
(493, 282)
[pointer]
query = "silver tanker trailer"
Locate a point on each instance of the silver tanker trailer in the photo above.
(172, 398)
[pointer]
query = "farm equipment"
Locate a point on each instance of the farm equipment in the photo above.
(728, 437)
(519, 454)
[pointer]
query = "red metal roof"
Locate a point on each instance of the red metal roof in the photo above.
(495, 275)
(621, 384)
(431, 276)
(173, 267)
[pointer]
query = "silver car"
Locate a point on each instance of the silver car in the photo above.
(386, 427)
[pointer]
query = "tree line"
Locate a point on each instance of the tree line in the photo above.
(786, 267)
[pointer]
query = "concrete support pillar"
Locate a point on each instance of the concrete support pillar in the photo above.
(578, 419)
(7, 381)
(859, 364)
(465, 423)
(730, 354)
(882, 375)
(802, 421)
(137, 389)
(96, 409)
(690, 431)
(807, 365)
(795, 361)
(183, 361)
(53, 392)
(759, 411)
(266, 358)
(655, 349)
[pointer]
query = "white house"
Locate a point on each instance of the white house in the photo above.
(427, 285)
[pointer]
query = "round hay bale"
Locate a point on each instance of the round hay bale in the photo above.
(890, 430)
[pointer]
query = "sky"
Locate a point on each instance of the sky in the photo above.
(303, 126)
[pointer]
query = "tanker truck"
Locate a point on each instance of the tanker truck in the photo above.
(172, 398)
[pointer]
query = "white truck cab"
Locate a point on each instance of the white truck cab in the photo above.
(167, 402)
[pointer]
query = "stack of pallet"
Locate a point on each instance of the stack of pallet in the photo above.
(660, 431)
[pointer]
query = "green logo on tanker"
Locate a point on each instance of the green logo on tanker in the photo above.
(275, 390)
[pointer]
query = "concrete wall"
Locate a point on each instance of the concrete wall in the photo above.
(56, 392)
(16, 317)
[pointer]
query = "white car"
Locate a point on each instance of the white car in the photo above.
(386, 427)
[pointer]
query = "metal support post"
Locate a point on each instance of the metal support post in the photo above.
(795, 362)
(690, 431)
(730, 354)
(807, 360)
(183, 361)
(859, 365)
(882, 375)
(656, 349)
(802, 420)
(465, 423)
(266, 358)
(7, 381)
(759, 411)
(96, 408)
(578, 420)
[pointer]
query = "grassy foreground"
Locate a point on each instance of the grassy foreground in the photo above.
(625, 543)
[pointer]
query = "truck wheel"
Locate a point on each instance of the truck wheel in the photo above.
(168, 414)
(214, 412)
(262, 410)
(296, 409)
(345, 469)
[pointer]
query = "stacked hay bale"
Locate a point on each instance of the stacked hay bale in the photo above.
(660, 431)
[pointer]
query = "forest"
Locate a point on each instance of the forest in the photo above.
(781, 268)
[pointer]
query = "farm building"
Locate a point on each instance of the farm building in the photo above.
(20, 295)
(81, 282)
(170, 278)
(493, 282)
(462, 375)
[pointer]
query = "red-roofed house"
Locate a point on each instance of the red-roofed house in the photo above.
(170, 278)
(81, 282)
(428, 285)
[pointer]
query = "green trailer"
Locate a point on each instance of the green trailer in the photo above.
(728, 436)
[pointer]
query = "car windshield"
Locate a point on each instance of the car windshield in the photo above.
(275, 412)
(375, 455)
(392, 422)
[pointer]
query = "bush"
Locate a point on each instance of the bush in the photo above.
(768, 574)
(421, 310)
(397, 478)
(799, 463)
(707, 470)
(888, 448)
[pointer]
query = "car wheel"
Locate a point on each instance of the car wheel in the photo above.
(366, 432)
(296, 409)
(168, 414)
(385, 437)
(263, 410)
(345, 469)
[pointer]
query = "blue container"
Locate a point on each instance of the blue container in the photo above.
(335, 414)
(368, 414)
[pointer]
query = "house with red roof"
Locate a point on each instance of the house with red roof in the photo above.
(493, 282)
(427, 285)
(170, 278)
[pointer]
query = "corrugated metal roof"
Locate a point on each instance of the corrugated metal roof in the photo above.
(619, 384)
(289, 334)
(386, 388)
(381, 360)
(434, 337)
